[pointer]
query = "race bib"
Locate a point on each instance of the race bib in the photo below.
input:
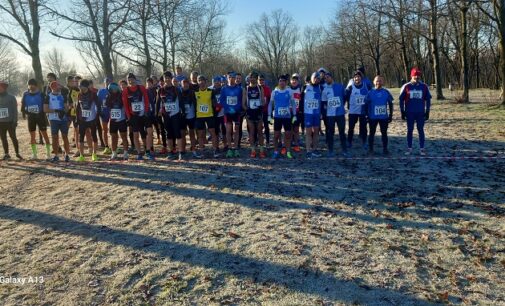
(232, 101)
(297, 102)
(416, 94)
(86, 113)
(115, 113)
(137, 107)
(360, 100)
(53, 116)
(170, 107)
(4, 113)
(33, 109)
(313, 104)
(283, 111)
(334, 102)
(254, 103)
(380, 110)
(204, 108)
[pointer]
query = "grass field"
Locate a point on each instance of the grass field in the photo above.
(258, 232)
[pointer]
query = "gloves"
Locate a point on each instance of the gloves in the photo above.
(390, 119)
(404, 117)
(427, 116)
(270, 120)
(293, 120)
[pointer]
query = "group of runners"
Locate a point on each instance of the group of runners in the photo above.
(175, 109)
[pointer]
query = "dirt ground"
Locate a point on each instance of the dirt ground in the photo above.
(357, 231)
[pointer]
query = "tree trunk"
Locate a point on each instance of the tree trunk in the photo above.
(502, 50)
(434, 49)
(464, 51)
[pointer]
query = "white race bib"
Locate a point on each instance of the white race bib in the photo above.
(33, 109)
(380, 110)
(334, 102)
(232, 101)
(254, 103)
(137, 107)
(170, 107)
(283, 111)
(416, 94)
(4, 113)
(312, 104)
(297, 102)
(204, 108)
(86, 113)
(360, 100)
(115, 113)
(53, 116)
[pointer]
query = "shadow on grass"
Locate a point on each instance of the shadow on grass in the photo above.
(298, 279)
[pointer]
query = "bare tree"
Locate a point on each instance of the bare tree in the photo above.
(95, 25)
(21, 25)
(55, 62)
(271, 39)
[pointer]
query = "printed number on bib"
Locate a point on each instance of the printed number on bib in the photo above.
(170, 107)
(33, 109)
(283, 111)
(360, 100)
(204, 108)
(312, 104)
(4, 113)
(137, 107)
(297, 102)
(232, 101)
(380, 110)
(254, 103)
(416, 94)
(86, 113)
(334, 102)
(115, 113)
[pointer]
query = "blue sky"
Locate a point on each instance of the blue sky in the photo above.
(241, 14)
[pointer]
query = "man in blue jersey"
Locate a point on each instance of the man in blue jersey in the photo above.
(377, 102)
(283, 107)
(334, 94)
(415, 103)
(355, 94)
(231, 100)
(105, 114)
(312, 115)
(32, 106)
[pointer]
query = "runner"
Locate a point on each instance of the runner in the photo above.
(376, 109)
(267, 94)
(334, 94)
(217, 85)
(8, 120)
(188, 100)
(117, 121)
(32, 105)
(159, 119)
(322, 85)
(150, 119)
(284, 114)
(312, 115)
(87, 110)
(169, 105)
(415, 103)
(72, 99)
(231, 100)
(238, 81)
(253, 102)
(104, 114)
(205, 106)
(136, 104)
(296, 95)
(368, 84)
(179, 76)
(98, 124)
(56, 106)
(194, 81)
(355, 95)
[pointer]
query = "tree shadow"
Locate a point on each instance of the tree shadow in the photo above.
(298, 279)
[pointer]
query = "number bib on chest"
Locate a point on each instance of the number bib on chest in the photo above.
(33, 109)
(334, 102)
(312, 104)
(283, 111)
(232, 101)
(380, 110)
(4, 113)
(170, 106)
(416, 94)
(254, 103)
(137, 107)
(86, 113)
(115, 113)
(204, 108)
